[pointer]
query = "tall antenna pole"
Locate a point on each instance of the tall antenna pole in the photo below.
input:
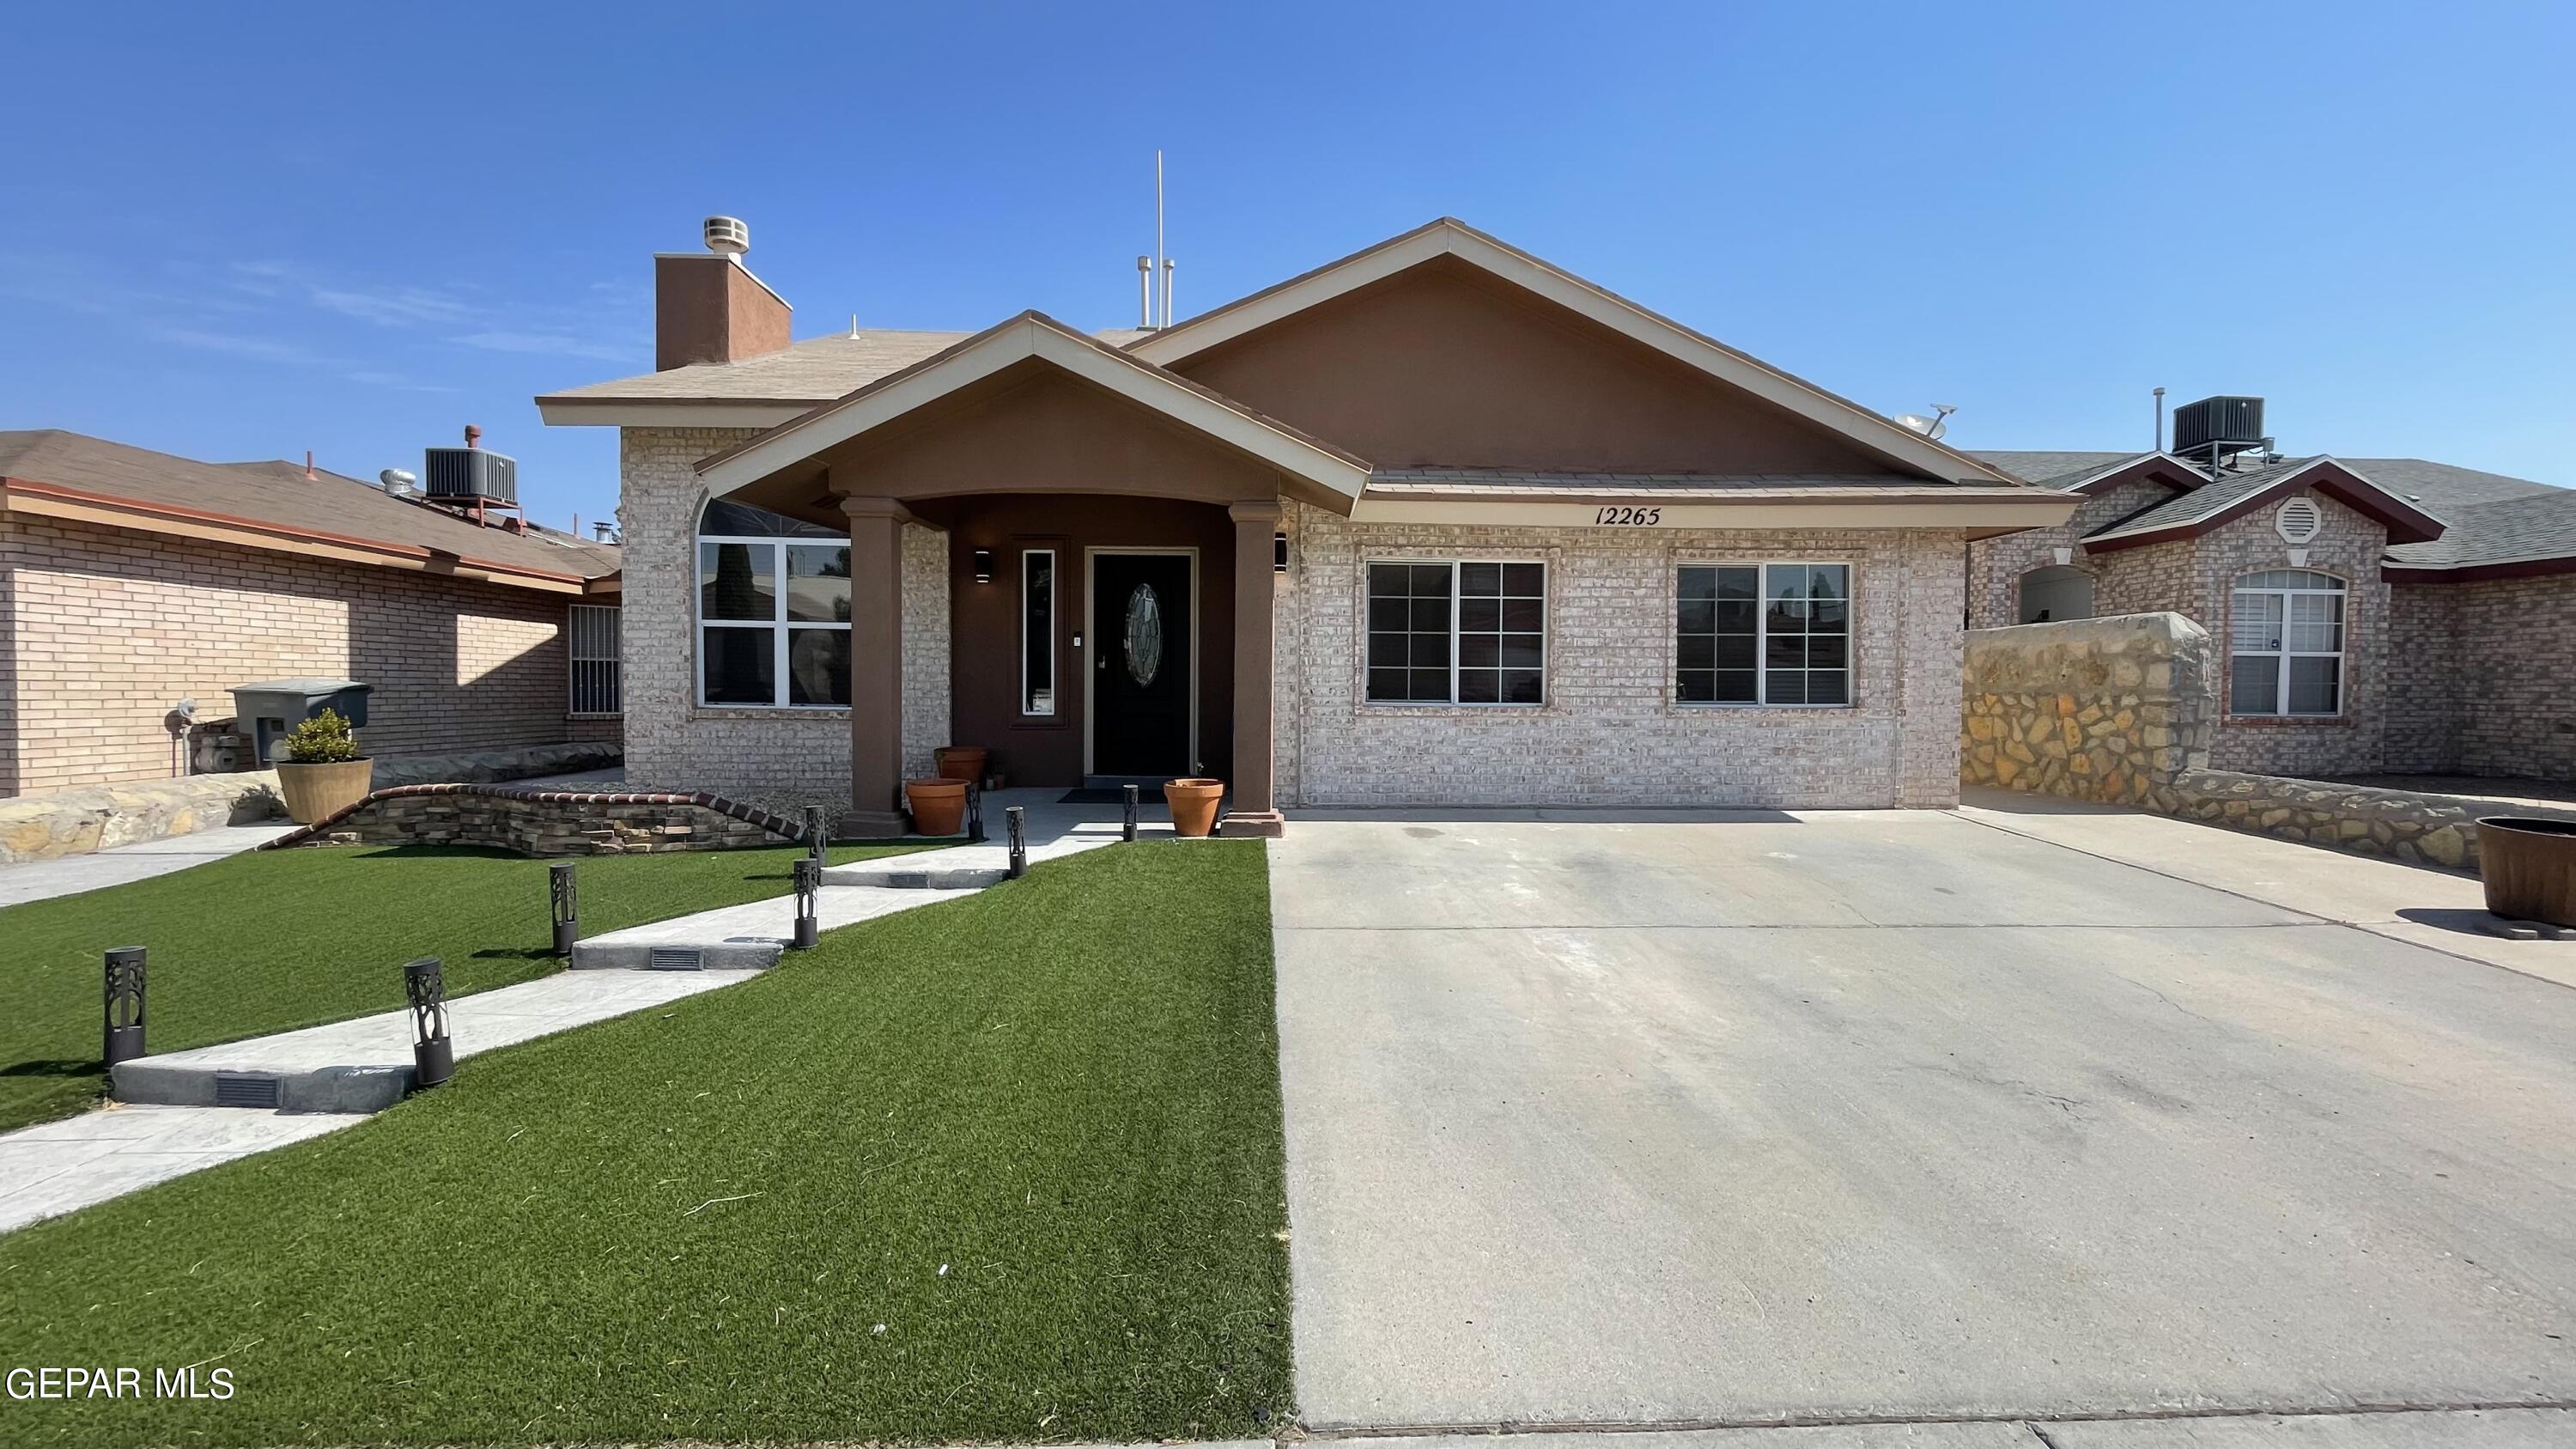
(1160, 265)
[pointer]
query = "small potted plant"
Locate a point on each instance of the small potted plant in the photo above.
(323, 773)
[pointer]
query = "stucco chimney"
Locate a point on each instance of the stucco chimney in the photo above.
(708, 307)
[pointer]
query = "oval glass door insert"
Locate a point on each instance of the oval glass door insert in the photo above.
(1144, 635)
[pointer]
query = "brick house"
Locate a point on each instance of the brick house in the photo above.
(131, 580)
(2378, 614)
(1435, 523)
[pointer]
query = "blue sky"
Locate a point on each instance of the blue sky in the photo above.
(247, 231)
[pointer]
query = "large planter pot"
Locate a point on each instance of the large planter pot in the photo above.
(1194, 804)
(938, 806)
(960, 762)
(318, 792)
(2529, 866)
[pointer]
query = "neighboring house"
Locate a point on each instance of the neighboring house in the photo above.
(1437, 523)
(131, 580)
(2379, 614)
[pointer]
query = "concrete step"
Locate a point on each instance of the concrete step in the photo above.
(896, 875)
(742, 954)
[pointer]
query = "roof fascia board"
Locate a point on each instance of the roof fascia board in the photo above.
(1020, 339)
(48, 500)
(612, 412)
(1792, 394)
(1985, 516)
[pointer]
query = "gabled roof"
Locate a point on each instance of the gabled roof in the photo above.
(2094, 472)
(1034, 335)
(274, 505)
(1453, 238)
(2232, 495)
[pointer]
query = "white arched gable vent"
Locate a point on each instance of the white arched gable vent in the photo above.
(2299, 520)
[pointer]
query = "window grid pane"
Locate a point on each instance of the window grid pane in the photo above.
(1037, 631)
(1763, 634)
(1409, 616)
(2285, 643)
(773, 615)
(1502, 639)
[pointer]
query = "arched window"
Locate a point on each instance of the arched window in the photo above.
(2285, 642)
(773, 610)
(2054, 593)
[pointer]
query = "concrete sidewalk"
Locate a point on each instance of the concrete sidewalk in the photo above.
(38, 880)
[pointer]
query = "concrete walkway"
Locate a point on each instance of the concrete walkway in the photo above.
(329, 1076)
(67, 875)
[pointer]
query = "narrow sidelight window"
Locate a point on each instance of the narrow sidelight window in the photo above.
(1763, 634)
(2285, 642)
(1457, 633)
(1037, 631)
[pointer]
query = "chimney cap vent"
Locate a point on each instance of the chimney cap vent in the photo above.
(728, 236)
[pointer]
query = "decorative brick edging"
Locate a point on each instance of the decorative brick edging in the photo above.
(548, 822)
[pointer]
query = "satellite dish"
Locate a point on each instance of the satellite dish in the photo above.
(1932, 427)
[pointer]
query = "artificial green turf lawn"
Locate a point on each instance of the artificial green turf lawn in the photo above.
(1007, 1168)
(272, 940)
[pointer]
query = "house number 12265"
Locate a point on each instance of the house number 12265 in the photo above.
(1629, 517)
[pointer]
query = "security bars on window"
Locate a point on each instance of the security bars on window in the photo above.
(2285, 644)
(1763, 634)
(1472, 632)
(592, 645)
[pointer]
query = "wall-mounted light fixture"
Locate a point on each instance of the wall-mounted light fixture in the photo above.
(1279, 553)
(983, 565)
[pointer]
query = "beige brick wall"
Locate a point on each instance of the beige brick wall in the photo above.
(1610, 733)
(782, 759)
(1995, 565)
(107, 628)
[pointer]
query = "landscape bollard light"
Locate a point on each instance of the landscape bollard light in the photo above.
(809, 893)
(1018, 819)
(1127, 827)
(561, 895)
(124, 1005)
(974, 812)
(433, 1056)
(818, 838)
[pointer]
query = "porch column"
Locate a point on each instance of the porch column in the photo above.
(1250, 809)
(876, 668)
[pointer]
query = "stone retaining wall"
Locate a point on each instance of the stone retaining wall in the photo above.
(2123, 710)
(2093, 709)
(76, 822)
(548, 822)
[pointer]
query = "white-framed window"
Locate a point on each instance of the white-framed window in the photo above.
(1037, 631)
(2285, 644)
(773, 610)
(1763, 634)
(1444, 631)
(590, 639)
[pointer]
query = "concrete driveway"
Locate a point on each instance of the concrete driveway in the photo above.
(1897, 1116)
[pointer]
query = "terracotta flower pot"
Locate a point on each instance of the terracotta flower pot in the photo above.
(959, 762)
(938, 806)
(2529, 866)
(318, 792)
(1194, 804)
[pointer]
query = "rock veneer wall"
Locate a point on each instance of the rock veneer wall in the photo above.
(102, 817)
(548, 822)
(2094, 709)
(2418, 829)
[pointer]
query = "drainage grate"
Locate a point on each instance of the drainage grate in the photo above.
(675, 958)
(240, 1089)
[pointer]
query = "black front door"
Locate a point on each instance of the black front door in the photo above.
(1140, 664)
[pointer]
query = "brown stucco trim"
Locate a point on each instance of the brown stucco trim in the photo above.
(1451, 237)
(21, 495)
(1034, 337)
(2405, 524)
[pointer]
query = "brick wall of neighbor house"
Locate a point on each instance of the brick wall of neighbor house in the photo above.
(1610, 732)
(2196, 577)
(2478, 681)
(107, 628)
(1995, 565)
(782, 759)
